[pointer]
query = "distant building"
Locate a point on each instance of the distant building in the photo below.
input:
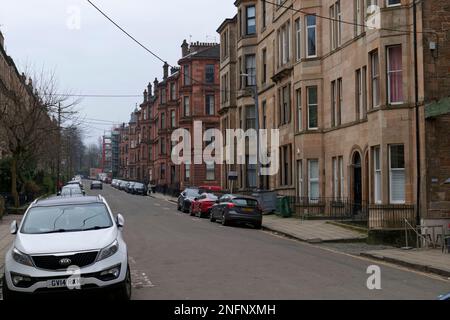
(115, 146)
(107, 155)
(189, 93)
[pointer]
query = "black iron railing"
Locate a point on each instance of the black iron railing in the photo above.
(330, 208)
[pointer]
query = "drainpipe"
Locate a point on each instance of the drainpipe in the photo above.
(416, 93)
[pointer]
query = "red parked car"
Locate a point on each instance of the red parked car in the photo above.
(202, 205)
(210, 188)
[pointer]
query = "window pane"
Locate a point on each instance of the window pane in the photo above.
(395, 75)
(397, 173)
(311, 26)
(312, 107)
(398, 186)
(209, 105)
(210, 171)
(397, 157)
(251, 20)
(187, 78)
(250, 114)
(250, 64)
(314, 169)
(209, 74)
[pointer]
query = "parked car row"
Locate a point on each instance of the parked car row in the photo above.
(227, 209)
(132, 187)
(73, 188)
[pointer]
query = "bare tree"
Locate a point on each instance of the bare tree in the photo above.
(28, 122)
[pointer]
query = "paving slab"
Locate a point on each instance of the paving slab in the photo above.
(313, 231)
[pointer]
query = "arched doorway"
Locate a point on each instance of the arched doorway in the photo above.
(357, 183)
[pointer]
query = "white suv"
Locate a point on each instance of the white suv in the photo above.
(67, 244)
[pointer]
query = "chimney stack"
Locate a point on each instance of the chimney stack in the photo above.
(166, 70)
(184, 48)
(149, 90)
(145, 96)
(155, 84)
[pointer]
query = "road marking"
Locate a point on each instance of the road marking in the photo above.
(140, 280)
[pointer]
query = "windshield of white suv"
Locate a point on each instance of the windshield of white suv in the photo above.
(71, 218)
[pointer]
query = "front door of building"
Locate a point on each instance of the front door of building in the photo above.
(357, 184)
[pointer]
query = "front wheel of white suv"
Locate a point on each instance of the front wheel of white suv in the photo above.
(124, 292)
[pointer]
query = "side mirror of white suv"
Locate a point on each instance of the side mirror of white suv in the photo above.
(13, 227)
(120, 221)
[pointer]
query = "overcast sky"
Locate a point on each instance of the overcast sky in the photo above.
(97, 58)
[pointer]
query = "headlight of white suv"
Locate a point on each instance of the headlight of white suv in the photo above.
(108, 251)
(21, 258)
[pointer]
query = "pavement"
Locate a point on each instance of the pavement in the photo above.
(175, 256)
(312, 231)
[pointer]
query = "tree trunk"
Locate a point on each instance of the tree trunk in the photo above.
(14, 192)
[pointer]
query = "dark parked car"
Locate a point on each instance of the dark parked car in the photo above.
(122, 185)
(237, 209)
(129, 187)
(185, 199)
(139, 188)
(96, 185)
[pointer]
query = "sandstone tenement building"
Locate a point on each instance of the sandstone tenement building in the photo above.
(344, 97)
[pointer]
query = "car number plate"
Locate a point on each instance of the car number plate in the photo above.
(247, 210)
(64, 283)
